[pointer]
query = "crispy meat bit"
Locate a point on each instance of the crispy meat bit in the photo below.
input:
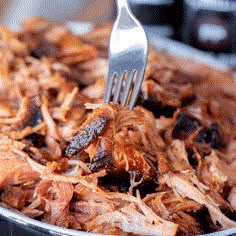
(184, 126)
(192, 158)
(130, 141)
(211, 136)
(86, 135)
(157, 107)
(103, 158)
(32, 115)
(28, 114)
(45, 49)
(36, 139)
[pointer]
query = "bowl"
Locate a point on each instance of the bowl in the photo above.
(15, 224)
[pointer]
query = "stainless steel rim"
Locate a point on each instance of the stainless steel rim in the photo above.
(17, 218)
(27, 222)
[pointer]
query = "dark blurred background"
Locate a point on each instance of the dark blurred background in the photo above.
(209, 25)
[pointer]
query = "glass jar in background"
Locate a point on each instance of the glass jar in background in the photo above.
(155, 15)
(210, 25)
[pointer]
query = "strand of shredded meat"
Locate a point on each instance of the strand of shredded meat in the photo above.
(165, 168)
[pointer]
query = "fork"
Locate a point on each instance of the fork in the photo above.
(128, 50)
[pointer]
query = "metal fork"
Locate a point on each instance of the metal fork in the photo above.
(128, 50)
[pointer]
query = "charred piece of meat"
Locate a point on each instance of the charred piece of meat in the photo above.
(118, 139)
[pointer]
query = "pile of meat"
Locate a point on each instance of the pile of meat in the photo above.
(165, 168)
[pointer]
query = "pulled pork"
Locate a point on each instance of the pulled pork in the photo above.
(165, 168)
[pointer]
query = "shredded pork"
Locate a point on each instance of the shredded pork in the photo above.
(165, 168)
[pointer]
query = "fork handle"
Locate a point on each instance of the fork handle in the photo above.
(121, 3)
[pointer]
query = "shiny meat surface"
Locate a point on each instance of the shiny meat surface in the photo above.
(165, 168)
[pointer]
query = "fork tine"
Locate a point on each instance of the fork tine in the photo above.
(128, 50)
(119, 83)
(109, 85)
(128, 84)
(137, 85)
